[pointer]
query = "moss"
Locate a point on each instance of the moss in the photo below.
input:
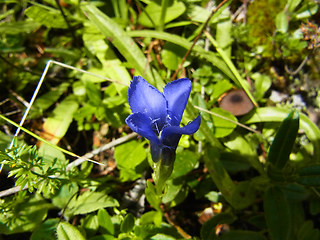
(261, 17)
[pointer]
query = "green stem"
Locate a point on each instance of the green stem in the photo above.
(164, 6)
(161, 174)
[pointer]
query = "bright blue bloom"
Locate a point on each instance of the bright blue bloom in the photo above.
(157, 116)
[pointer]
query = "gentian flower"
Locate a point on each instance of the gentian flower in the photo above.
(157, 116)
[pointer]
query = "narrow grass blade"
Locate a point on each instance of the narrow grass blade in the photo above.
(209, 56)
(45, 141)
(239, 80)
(123, 42)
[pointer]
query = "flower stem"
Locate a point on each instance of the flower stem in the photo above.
(161, 174)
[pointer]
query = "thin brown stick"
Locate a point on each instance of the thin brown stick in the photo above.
(100, 149)
(196, 39)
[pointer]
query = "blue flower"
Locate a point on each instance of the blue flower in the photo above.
(157, 116)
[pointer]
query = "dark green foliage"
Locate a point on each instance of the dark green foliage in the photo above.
(227, 181)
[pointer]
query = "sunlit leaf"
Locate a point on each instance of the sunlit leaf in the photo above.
(56, 126)
(65, 231)
(50, 18)
(128, 157)
(90, 202)
(105, 222)
(222, 127)
(18, 27)
(153, 11)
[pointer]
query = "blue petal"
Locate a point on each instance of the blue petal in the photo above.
(155, 150)
(141, 124)
(146, 99)
(171, 135)
(177, 94)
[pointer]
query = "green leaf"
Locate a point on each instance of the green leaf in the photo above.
(151, 217)
(90, 225)
(111, 65)
(178, 40)
(115, 101)
(245, 152)
(174, 186)
(125, 44)
(283, 142)
(179, 196)
(277, 114)
(62, 198)
(223, 127)
(152, 196)
(72, 54)
(277, 214)
(43, 102)
(244, 194)
(307, 231)
(34, 211)
(128, 223)
(198, 14)
(51, 18)
(105, 222)
(65, 231)
(224, 32)
(172, 55)
(128, 157)
(153, 11)
(52, 158)
(102, 237)
(46, 230)
(307, 10)
(282, 22)
(292, 4)
(220, 88)
(204, 127)
(262, 83)
(237, 77)
(219, 175)
(184, 163)
(90, 202)
(56, 126)
(79, 89)
(18, 27)
(309, 176)
(93, 93)
(5, 156)
(161, 236)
